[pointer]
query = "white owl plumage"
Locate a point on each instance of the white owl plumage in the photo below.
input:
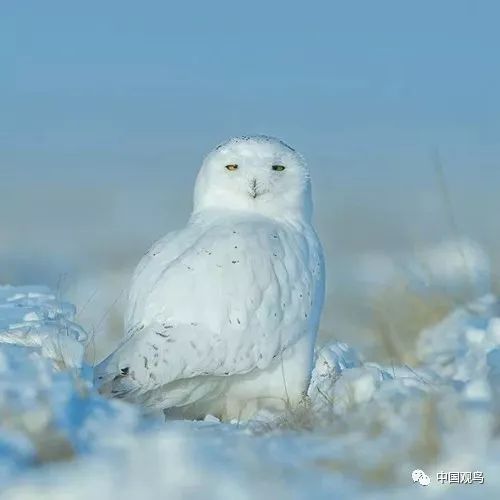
(223, 314)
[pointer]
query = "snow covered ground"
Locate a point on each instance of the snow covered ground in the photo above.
(362, 431)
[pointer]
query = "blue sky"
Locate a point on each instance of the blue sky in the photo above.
(105, 85)
(130, 94)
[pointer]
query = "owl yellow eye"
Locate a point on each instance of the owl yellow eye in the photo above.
(232, 167)
(278, 168)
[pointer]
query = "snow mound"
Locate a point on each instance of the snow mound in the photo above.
(449, 267)
(48, 410)
(32, 317)
(458, 347)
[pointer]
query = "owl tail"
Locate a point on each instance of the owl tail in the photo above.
(112, 379)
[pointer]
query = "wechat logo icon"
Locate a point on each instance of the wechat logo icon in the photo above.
(419, 476)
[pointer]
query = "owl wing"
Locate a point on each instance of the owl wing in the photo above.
(218, 300)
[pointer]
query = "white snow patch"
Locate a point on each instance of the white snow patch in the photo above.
(451, 266)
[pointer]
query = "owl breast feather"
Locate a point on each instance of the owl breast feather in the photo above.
(254, 281)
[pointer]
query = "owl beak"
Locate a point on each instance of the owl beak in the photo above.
(253, 189)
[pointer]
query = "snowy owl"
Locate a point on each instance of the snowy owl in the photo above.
(223, 314)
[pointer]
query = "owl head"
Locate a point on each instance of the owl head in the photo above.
(256, 174)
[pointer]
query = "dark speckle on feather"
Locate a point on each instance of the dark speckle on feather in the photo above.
(145, 362)
(135, 329)
(124, 371)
